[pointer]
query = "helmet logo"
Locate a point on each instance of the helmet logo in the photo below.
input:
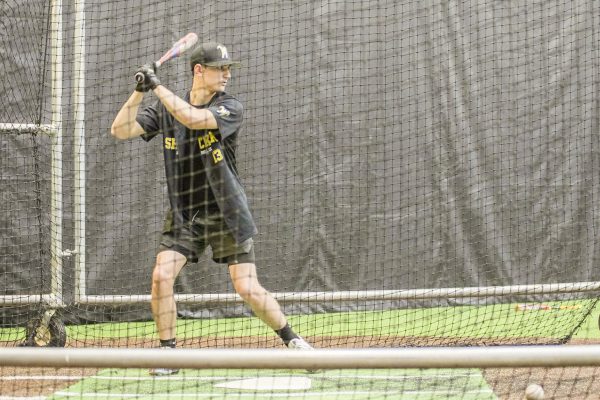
(223, 51)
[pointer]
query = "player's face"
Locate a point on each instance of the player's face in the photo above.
(216, 78)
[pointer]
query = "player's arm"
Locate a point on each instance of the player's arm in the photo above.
(185, 113)
(125, 125)
(181, 110)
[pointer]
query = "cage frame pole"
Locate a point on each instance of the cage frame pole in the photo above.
(415, 357)
(364, 295)
(79, 176)
(56, 196)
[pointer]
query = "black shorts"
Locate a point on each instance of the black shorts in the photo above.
(192, 238)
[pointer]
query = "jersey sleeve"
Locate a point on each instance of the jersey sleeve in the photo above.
(148, 118)
(229, 114)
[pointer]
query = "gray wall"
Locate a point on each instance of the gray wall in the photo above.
(387, 145)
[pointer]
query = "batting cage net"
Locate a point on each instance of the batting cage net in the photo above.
(401, 174)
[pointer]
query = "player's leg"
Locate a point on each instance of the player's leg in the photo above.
(178, 245)
(242, 270)
(263, 304)
(164, 310)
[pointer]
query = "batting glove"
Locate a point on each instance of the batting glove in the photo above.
(146, 77)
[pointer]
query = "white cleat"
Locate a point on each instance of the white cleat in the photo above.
(299, 344)
(163, 371)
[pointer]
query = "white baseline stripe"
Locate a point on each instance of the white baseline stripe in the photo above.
(212, 395)
(269, 395)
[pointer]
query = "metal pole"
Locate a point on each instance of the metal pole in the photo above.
(365, 295)
(424, 357)
(78, 96)
(56, 199)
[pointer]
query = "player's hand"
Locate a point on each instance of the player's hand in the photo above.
(150, 81)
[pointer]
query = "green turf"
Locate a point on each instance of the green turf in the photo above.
(428, 384)
(496, 321)
(590, 328)
(493, 321)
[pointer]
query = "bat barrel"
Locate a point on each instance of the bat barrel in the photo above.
(180, 47)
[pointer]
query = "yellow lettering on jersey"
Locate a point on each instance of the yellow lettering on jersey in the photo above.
(217, 156)
(206, 141)
(170, 143)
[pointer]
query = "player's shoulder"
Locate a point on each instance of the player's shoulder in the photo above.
(228, 100)
(224, 96)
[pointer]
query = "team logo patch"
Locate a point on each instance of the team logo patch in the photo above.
(223, 50)
(223, 112)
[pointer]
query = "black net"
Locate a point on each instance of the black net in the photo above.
(419, 173)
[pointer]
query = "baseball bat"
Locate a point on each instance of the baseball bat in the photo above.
(178, 48)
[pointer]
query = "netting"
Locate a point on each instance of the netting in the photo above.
(341, 384)
(25, 157)
(537, 372)
(419, 173)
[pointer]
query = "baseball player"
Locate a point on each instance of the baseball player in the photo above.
(208, 206)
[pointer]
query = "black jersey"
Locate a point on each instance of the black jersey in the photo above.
(200, 165)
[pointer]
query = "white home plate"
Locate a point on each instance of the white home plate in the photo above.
(268, 383)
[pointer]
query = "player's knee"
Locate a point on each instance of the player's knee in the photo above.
(162, 274)
(249, 289)
(168, 264)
